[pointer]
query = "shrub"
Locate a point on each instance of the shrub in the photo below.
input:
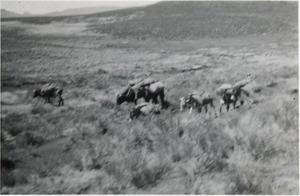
(260, 134)
(107, 103)
(19, 176)
(7, 179)
(259, 148)
(77, 164)
(148, 176)
(15, 130)
(14, 123)
(114, 190)
(176, 157)
(210, 162)
(257, 89)
(8, 146)
(140, 141)
(90, 118)
(272, 84)
(38, 109)
(100, 85)
(76, 94)
(241, 182)
(80, 81)
(101, 71)
(13, 118)
(93, 155)
(31, 139)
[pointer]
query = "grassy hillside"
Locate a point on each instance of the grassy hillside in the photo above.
(88, 146)
(206, 19)
(8, 14)
(175, 20)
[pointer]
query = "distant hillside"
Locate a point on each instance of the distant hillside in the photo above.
(67, 12)
(192, 19)
(187, 19)
(9, 14)
(84, 11)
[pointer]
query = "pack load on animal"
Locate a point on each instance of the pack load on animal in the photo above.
(232, 93)
(148, 89)
(242, 83)
(223, 88)
(144, 109)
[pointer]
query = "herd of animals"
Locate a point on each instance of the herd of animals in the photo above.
(150, 90)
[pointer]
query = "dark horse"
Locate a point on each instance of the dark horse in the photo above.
(152, 93)
(148, 92)
(128, 95)
(48, 92)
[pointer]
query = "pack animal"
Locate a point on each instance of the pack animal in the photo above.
(134, 92)
(232, 96)
(49, 91)
(194, 100)
(152, 92)
(129, 95)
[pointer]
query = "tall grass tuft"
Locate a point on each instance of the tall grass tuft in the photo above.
(249, 183)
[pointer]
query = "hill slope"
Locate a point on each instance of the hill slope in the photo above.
(83, 11)
(9, 14)
(192, 20)
(204, 19)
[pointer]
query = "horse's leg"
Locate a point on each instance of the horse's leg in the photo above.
(154, 99)
(200, 109)
(212, 105)
(49, 101)
(227, 106)
(62, 101)
(234, 103)
(205, 108)
(242, 102)
(147, 99)
(147, 96)
(162, 99)
(191, 109)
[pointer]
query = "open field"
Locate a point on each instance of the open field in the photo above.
(88, 146)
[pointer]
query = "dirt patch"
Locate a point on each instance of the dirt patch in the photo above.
(9, 98)
(52, 29)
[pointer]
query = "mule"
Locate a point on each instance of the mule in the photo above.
(49, 91)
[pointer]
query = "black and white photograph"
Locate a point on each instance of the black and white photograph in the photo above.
(149, 97)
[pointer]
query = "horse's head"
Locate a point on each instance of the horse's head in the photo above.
(119, 99)
(36, 93)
